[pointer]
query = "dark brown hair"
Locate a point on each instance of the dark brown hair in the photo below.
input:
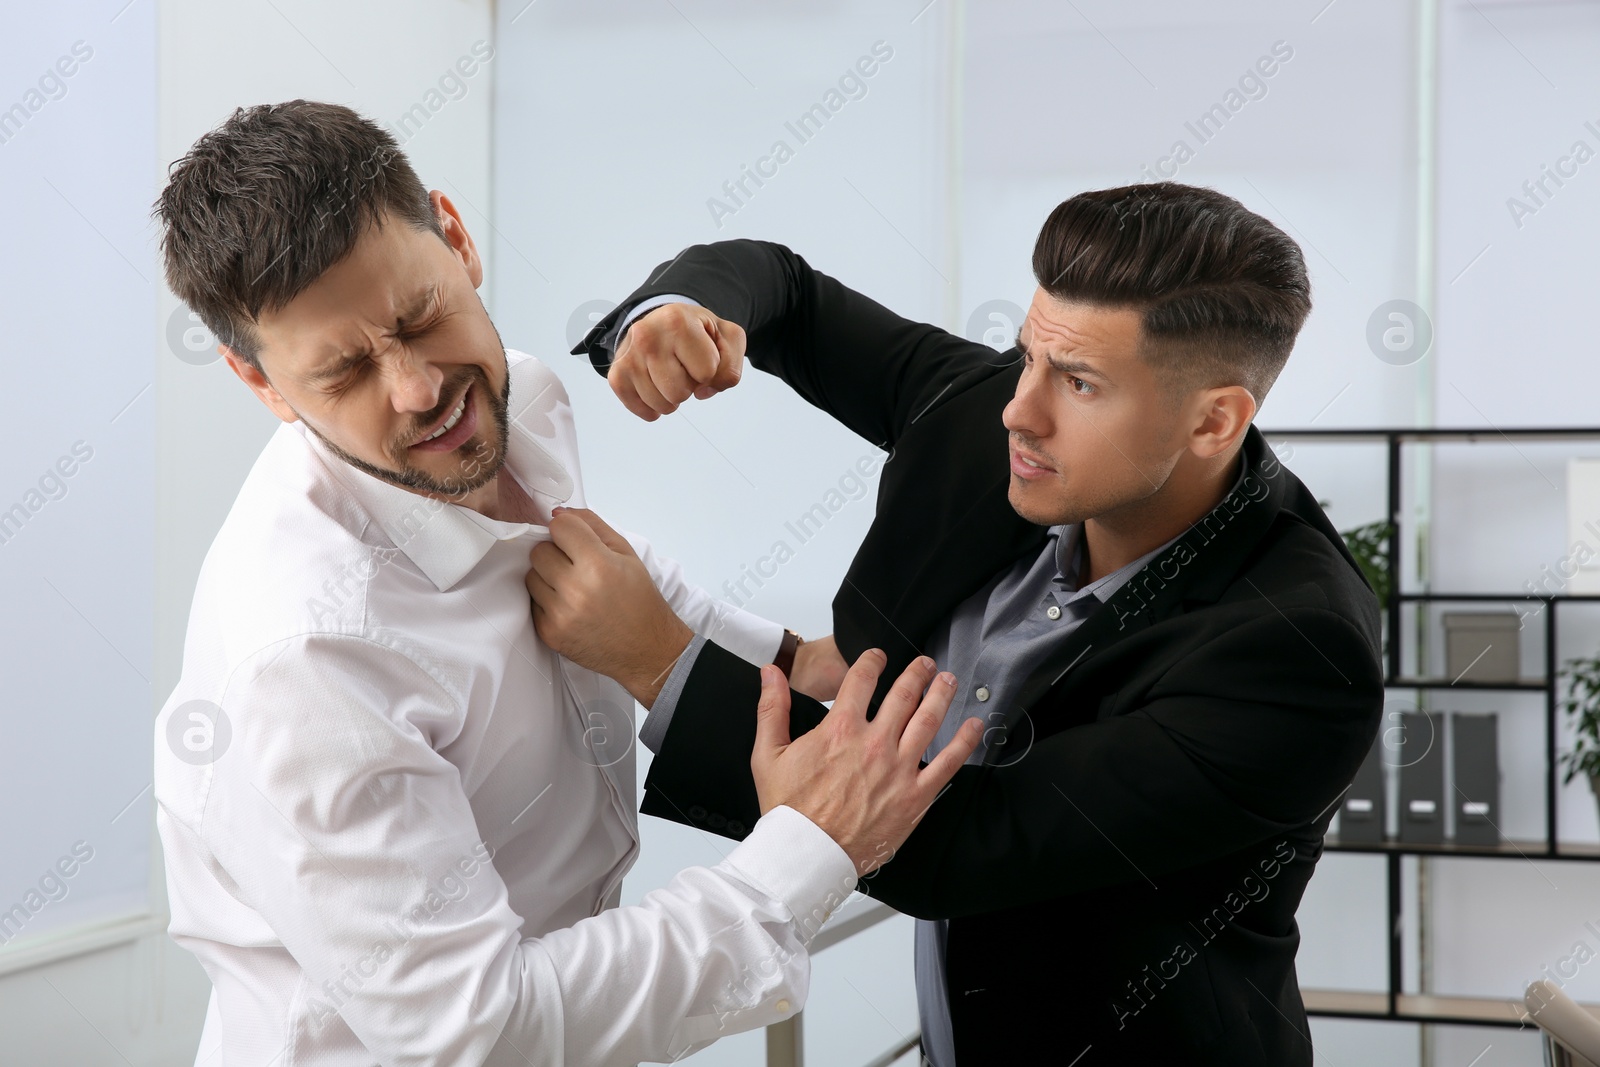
(1222, 292)
(265, 203)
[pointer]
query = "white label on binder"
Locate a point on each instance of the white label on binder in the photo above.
(1423, 807)
(1475, 807)
(1355, 804)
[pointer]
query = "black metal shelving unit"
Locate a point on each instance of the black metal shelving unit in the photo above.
(1394, 1004)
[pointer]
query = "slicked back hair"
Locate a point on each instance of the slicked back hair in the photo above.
(1221, 292)
(264, 204)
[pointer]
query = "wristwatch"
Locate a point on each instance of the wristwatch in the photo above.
(785, 657)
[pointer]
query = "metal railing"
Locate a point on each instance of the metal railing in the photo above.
(1571, 1035)
(785, 1040)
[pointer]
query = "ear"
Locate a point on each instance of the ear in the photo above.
(456, 236)
(1223, 414)
(258, 384)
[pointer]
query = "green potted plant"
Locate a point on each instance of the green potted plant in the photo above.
(1369, 544)
(1582, 706)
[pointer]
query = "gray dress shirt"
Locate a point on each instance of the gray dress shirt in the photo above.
(992, 642)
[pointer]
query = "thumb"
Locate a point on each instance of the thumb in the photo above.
(772, 714)
(608, 537)
(730, 341)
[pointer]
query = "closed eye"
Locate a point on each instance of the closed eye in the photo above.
(333, 379)
(342, 377)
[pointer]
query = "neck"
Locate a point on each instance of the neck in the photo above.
(1115, 539)
(485, 499)
(501, 498)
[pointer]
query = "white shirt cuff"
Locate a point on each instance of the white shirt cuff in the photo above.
(792, 859)
(748, 636)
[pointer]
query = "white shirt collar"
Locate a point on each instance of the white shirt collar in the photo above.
(446, 541)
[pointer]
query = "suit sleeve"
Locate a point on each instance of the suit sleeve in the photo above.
(1256, 732)
(701, 773)
(846, 354)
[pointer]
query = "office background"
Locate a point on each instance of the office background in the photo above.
(1396, 141)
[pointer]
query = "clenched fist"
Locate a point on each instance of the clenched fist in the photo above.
(671, 353)
(595, 603)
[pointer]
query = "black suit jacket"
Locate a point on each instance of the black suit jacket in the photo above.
(1122, 873)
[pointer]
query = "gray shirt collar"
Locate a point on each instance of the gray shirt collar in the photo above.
(1069, 547)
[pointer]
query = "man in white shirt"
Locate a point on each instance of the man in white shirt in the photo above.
(395, 822)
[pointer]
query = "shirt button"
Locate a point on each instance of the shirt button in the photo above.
(1053, 611)
(782, 1006)
(982, 693)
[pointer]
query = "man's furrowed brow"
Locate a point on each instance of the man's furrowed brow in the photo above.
(1067, 364)
(416, 308)
(1076, 366)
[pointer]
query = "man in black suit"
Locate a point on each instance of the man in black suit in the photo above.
(1175, 656)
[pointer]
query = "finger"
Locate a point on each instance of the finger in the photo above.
(622, 386)
(772, 715)
(639, 377)
(950, 759)
(900, 703)
(543, 593)
(550, 563)
(609, 537)
(541, 622)
(696, 350)
(730, 341)
(546, 629)
(860, 681)
(923, 726)
(572, 535)
(671, 380)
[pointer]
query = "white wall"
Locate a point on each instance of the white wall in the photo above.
(79, 447)
(143, 1000)
(79, 356)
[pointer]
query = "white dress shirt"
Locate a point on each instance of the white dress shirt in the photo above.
(402, 837)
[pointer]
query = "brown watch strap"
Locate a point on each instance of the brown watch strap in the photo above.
(786, 651)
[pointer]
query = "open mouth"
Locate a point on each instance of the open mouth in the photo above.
(450, 423)
(457, 427)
